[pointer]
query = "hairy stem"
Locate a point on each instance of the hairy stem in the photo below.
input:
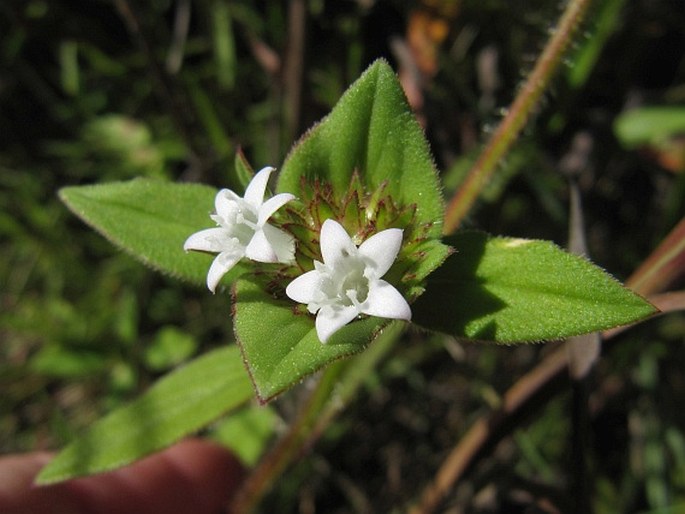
(518, 114)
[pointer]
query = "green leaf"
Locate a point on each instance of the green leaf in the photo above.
(224, 44)
(279, 341)
(150, 220)
(177, 405)
(373, 131)
(517, 290)
(649, 125)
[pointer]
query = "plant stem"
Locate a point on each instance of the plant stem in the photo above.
(664, 265)
(518, 114)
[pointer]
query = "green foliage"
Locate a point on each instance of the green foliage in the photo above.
(177, 405)
(83, 101)
(275, 363)
(247, 432)
(224, 44)
(352, 139)
(373, 132)
(243, 170)
(57, 361)
(602, 24)
(516, 290)
(150, 220)
(511, 281)
(649, 125)
(113, 147)
(170, 347)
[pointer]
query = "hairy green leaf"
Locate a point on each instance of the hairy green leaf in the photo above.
(177, 405)
(279, 341)
(151, 220)
(423, 259)
(516, 290)
(371, 130)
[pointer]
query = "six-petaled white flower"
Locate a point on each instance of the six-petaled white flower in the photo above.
(243, 230)
(348, 282)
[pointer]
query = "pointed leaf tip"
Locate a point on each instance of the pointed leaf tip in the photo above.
(372, 133)
(516, 290)
(151, 220)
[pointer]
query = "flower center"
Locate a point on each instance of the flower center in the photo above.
(354, 288)
(345, 285)
(240, 220)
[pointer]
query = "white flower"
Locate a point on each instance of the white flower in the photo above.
(243, 230)
(348, 282)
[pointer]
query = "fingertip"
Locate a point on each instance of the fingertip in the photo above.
(192, 477)
(210, 471)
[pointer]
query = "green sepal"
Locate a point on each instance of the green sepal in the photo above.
(243, 169)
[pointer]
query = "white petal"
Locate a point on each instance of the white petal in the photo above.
(220, 266)
(211, 240)
(382, 250)
(282, 243)
(331, 319)
(385, 301)
(254, 193)
(302, 289)
(272, 205)
(224, 203)
(335, 243)
(259, 248)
